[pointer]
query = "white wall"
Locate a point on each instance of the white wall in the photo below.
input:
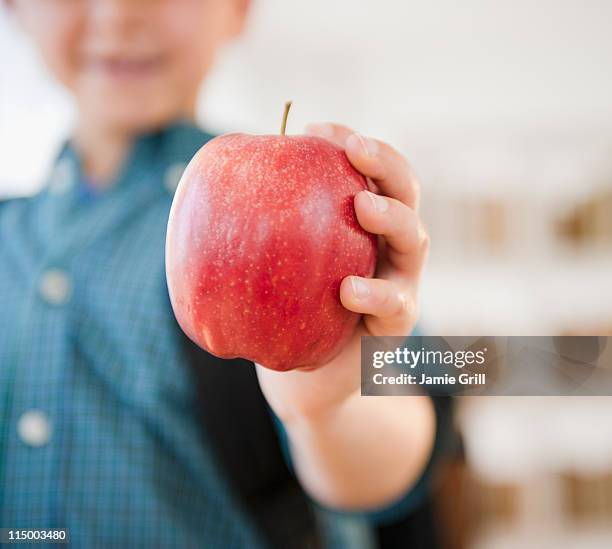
(422, 74)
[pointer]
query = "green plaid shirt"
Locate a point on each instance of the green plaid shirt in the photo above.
(98, 428)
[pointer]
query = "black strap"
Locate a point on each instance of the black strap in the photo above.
(238, 424)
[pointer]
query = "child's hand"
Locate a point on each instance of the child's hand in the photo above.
(351, 452)
(388, 302)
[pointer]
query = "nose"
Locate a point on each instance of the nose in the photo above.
(117, 17)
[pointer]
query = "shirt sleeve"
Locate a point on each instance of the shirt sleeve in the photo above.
(417, 493)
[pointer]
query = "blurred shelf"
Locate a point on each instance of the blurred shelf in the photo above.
(492, 296)
(596, 536)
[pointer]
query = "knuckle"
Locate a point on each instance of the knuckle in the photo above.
(410, 314)
(405, 316)
(425, 244)
(424, 238)
(403, 305)
(401, 216)
(425, 241)
(392, 152)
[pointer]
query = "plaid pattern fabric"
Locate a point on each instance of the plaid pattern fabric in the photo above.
(88, 339)
(94, 346)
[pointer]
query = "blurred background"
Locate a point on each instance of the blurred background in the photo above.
(504, 110)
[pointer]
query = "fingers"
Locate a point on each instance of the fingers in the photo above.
(404, 233)
(389, 309)
(388, 169)
(389, 304)
(336, 133)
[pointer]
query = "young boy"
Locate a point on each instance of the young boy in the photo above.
(98, 426)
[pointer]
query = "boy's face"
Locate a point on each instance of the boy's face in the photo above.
(131, 64)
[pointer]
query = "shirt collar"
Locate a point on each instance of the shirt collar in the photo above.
(156, 158)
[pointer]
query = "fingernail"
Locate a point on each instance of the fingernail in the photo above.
(361, 289)
(322, 129)
(358, 144)
(380, 203)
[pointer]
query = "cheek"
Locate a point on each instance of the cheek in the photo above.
(193, 38)
(57, 37)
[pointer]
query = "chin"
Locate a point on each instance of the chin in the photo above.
(132, 116)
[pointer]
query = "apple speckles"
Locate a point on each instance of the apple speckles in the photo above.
(270, 232)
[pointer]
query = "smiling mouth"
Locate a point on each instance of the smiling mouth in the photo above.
(125, 68)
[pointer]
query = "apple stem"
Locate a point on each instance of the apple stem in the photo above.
(285, 116)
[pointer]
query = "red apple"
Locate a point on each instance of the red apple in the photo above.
(261, 233)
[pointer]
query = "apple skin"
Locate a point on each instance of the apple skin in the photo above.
(261, 233)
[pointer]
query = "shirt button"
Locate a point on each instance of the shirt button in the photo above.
(62, 177)
(55, 287)
(34, 428)
(173, 176)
